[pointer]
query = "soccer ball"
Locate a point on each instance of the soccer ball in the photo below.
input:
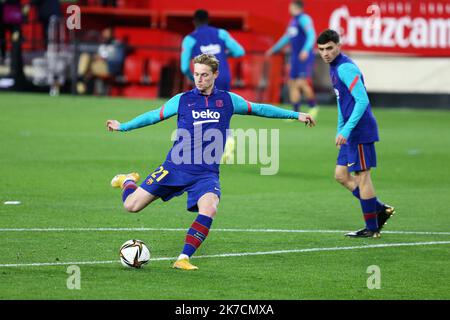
(134, 254)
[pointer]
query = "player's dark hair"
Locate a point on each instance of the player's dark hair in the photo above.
(327, 36)
(298, 3)
(201, 17)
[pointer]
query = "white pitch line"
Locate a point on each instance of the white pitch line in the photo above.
(241, 254)
(212, 230)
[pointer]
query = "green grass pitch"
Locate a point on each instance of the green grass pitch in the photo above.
(57, 159)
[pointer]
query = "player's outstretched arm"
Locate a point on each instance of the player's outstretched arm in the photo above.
(241, 106)
(270, 111)
(284, 40)
(169, 109)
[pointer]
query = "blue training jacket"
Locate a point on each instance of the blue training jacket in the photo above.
(356, 121)
(201, 120)
(301, 35)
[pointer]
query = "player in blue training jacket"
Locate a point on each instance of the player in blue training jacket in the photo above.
(192, 165)
(357, 132)
(301, 36)
(211, 40)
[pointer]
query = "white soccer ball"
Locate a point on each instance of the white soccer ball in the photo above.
(134, 254)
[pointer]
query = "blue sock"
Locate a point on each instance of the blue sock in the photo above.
(369, 211)
(380, 205)
(296, 106)
(196, 234)
(356, 193)
(128, 188)
(312, 103)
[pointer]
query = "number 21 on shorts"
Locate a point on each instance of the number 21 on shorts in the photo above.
(159, 174)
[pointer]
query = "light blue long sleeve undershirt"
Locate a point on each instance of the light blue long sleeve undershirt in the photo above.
(340, 124)
(234, 50)
(241, 106)
(347, 72)
(306, 23)
(153, 116)
(284, 40)
(186, 52)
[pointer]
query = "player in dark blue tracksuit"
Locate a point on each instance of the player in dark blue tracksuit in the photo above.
(211, 40)
(192, 165)
(357, 133)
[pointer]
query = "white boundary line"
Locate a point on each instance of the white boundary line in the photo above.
(242, 254)
(212, 230)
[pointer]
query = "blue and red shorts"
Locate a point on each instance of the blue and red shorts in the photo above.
(357, 157)
(167, 182)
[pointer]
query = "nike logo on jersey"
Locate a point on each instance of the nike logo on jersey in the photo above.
(350, 164)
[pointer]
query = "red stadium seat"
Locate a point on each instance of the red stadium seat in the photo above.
(235, 72)
(153, 69)
(140, 91)
(133, 69)
(252, 70)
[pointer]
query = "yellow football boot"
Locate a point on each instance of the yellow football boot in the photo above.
(118, 180)
(184, 264)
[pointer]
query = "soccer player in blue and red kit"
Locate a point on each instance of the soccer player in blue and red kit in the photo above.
(357, 132)
(301, 35)
(216, 41)
(204, 115)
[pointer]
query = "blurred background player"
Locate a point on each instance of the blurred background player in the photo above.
(301, 36)
(47, 9)
(198, 177)
(211, 40)
(356, 135)
(95, 70)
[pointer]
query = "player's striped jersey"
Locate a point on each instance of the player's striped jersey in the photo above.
(202, 125)
(356, 121)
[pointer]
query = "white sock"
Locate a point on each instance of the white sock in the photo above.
(183, 256)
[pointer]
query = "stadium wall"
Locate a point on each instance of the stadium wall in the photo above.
(403, 47)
